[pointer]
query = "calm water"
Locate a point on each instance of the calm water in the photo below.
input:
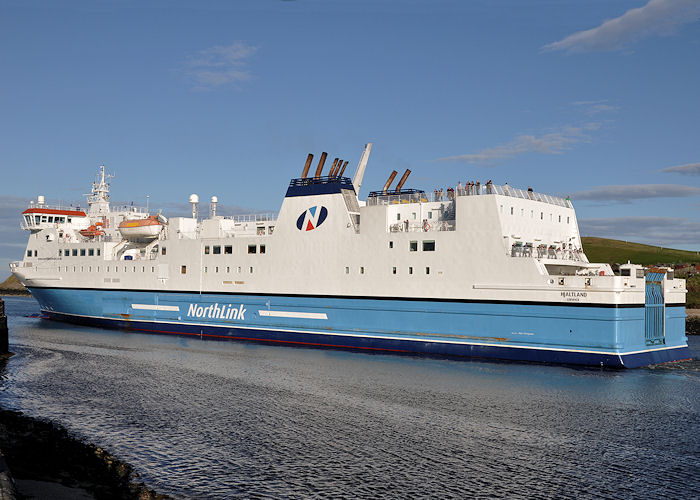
(208, 419)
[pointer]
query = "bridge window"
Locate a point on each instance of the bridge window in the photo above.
(217, 250)
(428, 245)
(37, 219)
(43, 218)
(412, 246)
(69, 219)
(50, 218)
(228, 249)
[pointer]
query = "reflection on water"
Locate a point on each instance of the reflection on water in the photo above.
(210, 419)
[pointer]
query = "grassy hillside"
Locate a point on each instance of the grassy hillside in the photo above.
(614, 251)
(12, 286)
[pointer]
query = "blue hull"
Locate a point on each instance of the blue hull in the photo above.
(551, 333)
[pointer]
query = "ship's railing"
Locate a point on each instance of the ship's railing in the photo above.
(424, 227)
(542, 251)
(416, 196)
(507, 190)
(58, 206)
(265, 217)
(405, 196)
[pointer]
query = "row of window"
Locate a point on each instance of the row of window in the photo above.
(428, 245)
(414, 215)
(228, 249)
(183, 269)
(532, 214)
(90, 252)
(393, 270)
(46, 218)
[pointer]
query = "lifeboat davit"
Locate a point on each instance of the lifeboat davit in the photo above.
(141, 229)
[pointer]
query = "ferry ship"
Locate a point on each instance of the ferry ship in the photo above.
(478, 271)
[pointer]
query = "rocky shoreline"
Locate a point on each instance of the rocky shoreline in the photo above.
(45, 461)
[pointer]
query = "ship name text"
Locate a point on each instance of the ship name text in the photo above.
(217, 311)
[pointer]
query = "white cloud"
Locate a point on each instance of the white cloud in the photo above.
(687, 169)
(663, 231)
(595, 107)
(658, 17)
(636, 192)
(555, 142)
(219, 65)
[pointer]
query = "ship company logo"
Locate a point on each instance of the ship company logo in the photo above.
(312, 218)
(217, 311)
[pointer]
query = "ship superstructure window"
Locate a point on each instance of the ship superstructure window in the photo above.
(410, 270)
(216, 249)
(91, 252)
(75, 252)
(270, 229)
(60, 252)
(560, 218)
(393, 270)
(412, 246)
(82, 252)
(427, 270)
(251, 269)
(567, 220)
(391, 244)
(35, 253)
(228, 249)
(541, 215)
(362, 270)
(252, 248)
(228, 269)
(262, 248)
(347, 270)
(98, 252)
(430, 215)
(428, 245)
(29, 253)
(162, 251)
(398, 216)
(216, 269)
(511, 210)
(206, 250)
(183, 269)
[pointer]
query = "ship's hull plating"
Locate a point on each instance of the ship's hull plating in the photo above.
(594, 335)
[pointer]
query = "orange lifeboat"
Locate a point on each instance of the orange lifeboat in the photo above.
(141, 229)
(93, 231)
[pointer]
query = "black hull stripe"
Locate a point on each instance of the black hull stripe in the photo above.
(360, 297)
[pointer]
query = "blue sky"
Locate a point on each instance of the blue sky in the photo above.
(594, 99)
